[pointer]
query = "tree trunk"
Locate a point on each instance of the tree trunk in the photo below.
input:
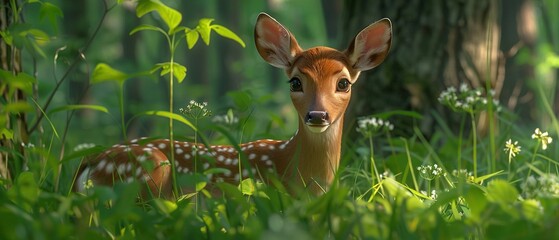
(436, 44)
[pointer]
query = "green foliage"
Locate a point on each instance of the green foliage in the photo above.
(405, 187)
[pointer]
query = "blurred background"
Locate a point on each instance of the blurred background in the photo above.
(513, 44)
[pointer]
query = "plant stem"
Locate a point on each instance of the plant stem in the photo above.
(373, 165)
(121, 106)
(459, 159)
(171, 107)
(474, 143)
(533, 158)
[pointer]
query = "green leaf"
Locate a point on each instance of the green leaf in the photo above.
(225, 32)
(170, 16)
(247, 187)
(179, 71)
(170, 115)
(501, 192)
(104, 72)
(17, 107)
(26, 191)
(21, 81)
(79, 107)
(204, 29)
(242, 99)
(164, 206)
(191, 37)
(6, 133)
(476, 201)
(7, 37)
(50, 12)
(146, 27)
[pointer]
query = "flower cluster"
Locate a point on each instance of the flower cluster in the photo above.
(28, 145)
(83, 146)
(512, 149)
(369, 126)
(196, 110)
(463, 174)
(542, 137)
(466, 99)
(432, 196)
(546, 185)
(430, 172)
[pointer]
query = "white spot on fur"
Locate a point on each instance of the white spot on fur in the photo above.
(220, 158)
(109, 168)
(228, 161)
(120, 169)
(206, 165)
(264, 157)
(179, 150)
(162, 145)
(269, 162)
(101, 164)
(251, 156)
(187, 156)
(142, 158)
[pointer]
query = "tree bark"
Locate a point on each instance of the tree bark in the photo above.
(436, 44)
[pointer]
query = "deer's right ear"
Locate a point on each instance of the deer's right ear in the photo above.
(275, 43)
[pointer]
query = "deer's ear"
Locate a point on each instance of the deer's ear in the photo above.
(370, 47)
(274, 43)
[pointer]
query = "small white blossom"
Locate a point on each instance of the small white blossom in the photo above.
(542, 137)
(512, 148)
(369, 126)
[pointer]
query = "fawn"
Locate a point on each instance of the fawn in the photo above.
(320, 84)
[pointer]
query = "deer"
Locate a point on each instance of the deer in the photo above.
(320, 82)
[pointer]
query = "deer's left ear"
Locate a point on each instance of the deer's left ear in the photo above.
(370, 47)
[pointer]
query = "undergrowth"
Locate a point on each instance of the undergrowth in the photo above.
(455, 183)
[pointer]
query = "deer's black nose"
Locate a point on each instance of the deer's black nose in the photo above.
(317, 118)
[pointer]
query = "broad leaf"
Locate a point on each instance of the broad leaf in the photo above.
(170, 16)
(204, 29)
(21, 81)
(248, 187)
(225, 32)
(104, 72)
(179, 71)
(501, 192)
(50, 12)
(191, 37)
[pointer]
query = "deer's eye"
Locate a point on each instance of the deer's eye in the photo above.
(343, 85)
(295, 85)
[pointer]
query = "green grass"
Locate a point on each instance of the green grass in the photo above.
(402, 199)
(452, 184)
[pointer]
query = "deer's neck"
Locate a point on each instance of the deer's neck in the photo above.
(315, 156)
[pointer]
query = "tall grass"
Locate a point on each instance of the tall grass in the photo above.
(405, 187)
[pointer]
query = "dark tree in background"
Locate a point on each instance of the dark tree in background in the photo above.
(436, 44)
